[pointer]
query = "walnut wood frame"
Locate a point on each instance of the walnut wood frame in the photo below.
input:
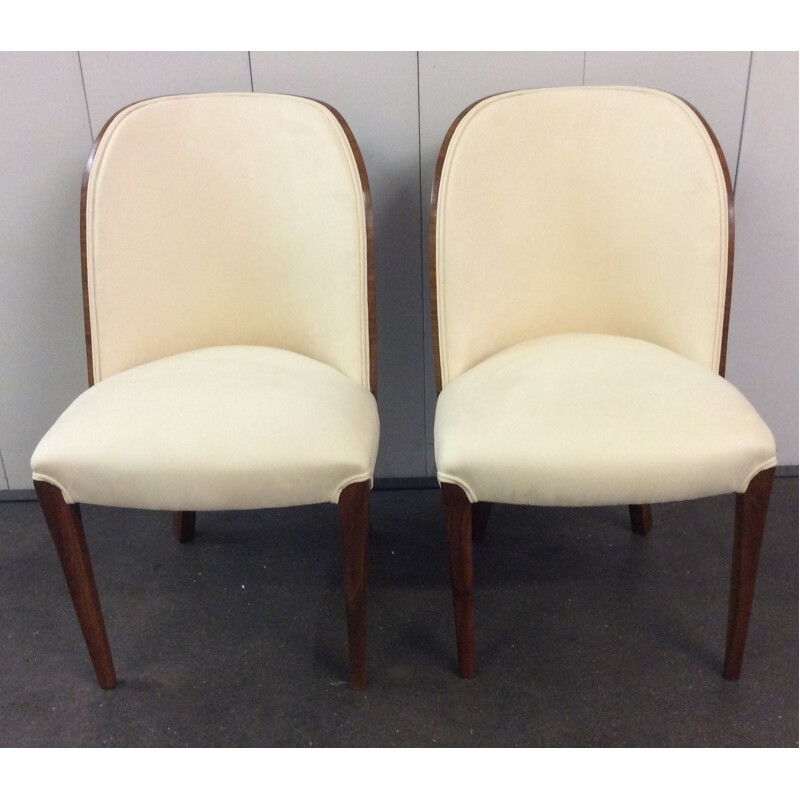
(464, 526)
(64, 520)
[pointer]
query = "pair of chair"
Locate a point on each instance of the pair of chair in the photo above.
(581, 248)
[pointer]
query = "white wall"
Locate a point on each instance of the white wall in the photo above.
(44, 140)
(399, 106)
(762, 344)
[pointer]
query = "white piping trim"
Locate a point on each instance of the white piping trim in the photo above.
(721, 188)
(96, 170)
(37, 476)
(766, 465)
(443, 477)
(347, 481)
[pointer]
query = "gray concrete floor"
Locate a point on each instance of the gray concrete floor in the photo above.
(586, 635)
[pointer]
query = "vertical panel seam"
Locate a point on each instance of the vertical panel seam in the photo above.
(428, 465)
(85, 96)
(741, 127)
(5, 474)
(250, 67)
(583, 76)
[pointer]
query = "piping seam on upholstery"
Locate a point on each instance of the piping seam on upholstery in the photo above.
(770, 462)
(37, 476)
(722, 274)
(443, 477)
(347, 481)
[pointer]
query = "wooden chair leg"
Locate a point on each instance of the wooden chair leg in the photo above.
(751, 514)
(354, 522)
(458, 523)
(641, 519)
(183, 525)
(66, 528)
(480, 519)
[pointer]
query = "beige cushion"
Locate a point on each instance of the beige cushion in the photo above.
(219, 428)
(592, 209)
(587, 419)
(226, 219)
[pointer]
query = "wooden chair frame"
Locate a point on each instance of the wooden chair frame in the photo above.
(464, 524)
(66, 527)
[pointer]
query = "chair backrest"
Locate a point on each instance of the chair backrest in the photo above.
(580, 209)
(221, 219)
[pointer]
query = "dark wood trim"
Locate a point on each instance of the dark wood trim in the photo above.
(432, 236)
(368, 220)
(458, 524)
(641, 518)
(87, 323)
(372, 332)
(66, 529)
(723, 354)
(751, 516)
(183, 525)
(354, 523)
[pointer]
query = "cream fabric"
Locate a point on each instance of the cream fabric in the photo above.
(592, 209)
(226, 219)
(219, 428)
(588, 419)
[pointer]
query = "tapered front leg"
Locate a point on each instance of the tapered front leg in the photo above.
(751, 515)
(66, 528)
(458, 524)
(354, 522)
(641, 519)
(183, 523)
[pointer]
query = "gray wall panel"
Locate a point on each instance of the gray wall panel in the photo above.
(114, 80)
(763, 343)
(44, 142)
(714, 83)
(377, 95)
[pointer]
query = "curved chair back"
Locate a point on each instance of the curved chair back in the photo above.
(224, 219)
(585, 209)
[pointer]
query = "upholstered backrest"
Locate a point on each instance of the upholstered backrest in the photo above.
(585, 209)
(225, 219)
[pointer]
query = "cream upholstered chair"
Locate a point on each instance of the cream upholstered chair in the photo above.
(581, 249)
(230, 330)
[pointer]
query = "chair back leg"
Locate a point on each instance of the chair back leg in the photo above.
(458, 524)
(354, 522)
(641, 519)
(751, 515)
(183, 525)
(66, 528)
(480, 520)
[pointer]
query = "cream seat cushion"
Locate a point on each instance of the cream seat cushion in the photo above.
(592, 419)
(229, 427)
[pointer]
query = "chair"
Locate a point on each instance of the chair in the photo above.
(229, 306)
(581, 252)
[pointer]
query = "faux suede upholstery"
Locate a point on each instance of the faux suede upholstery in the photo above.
(590, 419)
(226, 219)
(591, 209)
(581, 256)
(221, 428)
(227, 295)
